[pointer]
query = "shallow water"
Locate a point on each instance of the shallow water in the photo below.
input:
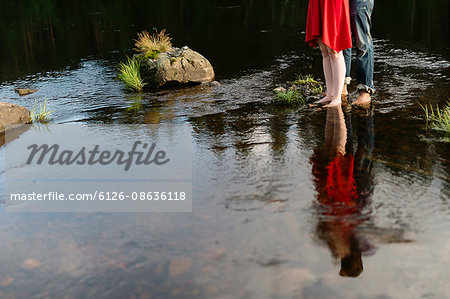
(261, 226)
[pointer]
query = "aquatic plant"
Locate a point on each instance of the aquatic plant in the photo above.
(129, 74)
(302, 80)
(317, 90)
(290, 96)
(152, 55)
(40, 113)
(151, 45)
(438, 118)
(298, 91)
(309, 83)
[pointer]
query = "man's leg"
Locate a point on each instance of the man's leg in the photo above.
(348, 66)
(361, 12)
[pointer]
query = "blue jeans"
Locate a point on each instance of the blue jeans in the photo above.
(360, 13)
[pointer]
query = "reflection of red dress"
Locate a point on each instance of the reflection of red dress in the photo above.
(340, 185)
(331, 20)
(336, 184)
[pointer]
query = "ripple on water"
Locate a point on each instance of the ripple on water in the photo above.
(70, 93)
(404, 76)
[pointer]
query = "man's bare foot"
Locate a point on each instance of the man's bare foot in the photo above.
(334, 103)
(363, 99)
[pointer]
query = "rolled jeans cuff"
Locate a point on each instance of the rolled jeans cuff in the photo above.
(347, 80)
(362, 87)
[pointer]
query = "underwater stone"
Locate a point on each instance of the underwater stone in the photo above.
(24, 91)
(280, 89)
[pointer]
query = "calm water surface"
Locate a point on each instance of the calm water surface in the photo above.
(261, 225)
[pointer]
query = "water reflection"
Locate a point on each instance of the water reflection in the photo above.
(13, 133)
(344, 183)
(135, 104)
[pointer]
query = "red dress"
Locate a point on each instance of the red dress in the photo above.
(331, 20)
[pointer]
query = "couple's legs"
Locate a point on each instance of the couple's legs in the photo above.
(334, 71)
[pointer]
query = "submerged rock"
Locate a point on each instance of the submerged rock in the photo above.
(280, 89)
(12, 114)
(211, 84)
(25, 91)
(178, 66)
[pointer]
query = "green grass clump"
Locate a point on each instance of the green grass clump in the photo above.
(310, 84)
(40, 113)
(438, 119)
(149, 47)
(317, 90)
(299, 91)
(152, 55)
(129, 74)
(289, 97)
(308, 79)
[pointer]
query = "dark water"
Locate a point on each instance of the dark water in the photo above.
(261, 224)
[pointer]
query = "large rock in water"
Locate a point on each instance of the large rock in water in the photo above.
(181, 66)
(12, 114)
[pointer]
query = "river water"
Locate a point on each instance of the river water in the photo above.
(261, 225)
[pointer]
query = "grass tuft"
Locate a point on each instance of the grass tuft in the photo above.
(299, 91)
(289, 97)
(40, 113)
(309, 83)
(438, 118)
(152, 45)
(308, 79)
(152, 55)
(129, 74)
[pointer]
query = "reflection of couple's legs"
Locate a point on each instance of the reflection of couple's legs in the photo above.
(334, 71)
(339, 229)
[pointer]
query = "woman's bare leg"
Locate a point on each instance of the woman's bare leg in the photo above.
(327, 72)
(338, 71)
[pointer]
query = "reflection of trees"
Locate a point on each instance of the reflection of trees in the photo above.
(420, 20)
(237, 128)
(52, 33)
(278, 127)
(245, 130)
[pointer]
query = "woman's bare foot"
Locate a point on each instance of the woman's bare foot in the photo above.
(334, 103)
(325, 100)
(344, 92)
